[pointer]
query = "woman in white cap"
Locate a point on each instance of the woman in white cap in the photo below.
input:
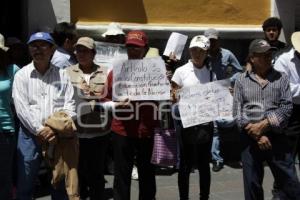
(195, 142)
(7, 127)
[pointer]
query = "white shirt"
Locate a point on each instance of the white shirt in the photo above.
(62, 59)
(38, 96)
(188, 75)
(289, 63)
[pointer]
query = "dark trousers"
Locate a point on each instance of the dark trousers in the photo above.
(126, 149)
(200, 153)
(280, 161)
(193, 153)
(7, 147)
(91, 166)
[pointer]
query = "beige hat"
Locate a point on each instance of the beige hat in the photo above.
(87, 42)
(296, 40)
(2, 43)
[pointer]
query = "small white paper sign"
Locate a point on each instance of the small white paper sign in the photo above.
(176, 45)
(203, 103)
(140, 80)
(108, 52)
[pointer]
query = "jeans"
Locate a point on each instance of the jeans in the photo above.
(28, 161)
(280, 161)
(215, 148)
(7, 147)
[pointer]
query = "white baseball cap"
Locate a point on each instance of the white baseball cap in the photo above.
(200, 41)
(113, 29)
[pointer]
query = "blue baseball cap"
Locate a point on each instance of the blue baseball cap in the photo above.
(42, 36)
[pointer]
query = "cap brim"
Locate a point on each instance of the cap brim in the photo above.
(264, 49)
(137, 43)
(192, 46)
(296, 41)
(113, 33)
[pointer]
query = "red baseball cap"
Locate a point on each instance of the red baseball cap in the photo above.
(138, 38)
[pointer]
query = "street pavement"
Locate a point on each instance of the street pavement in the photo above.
(225, 185)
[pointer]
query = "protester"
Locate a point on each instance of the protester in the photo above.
(262, 107)
(289, 63)
(221, 61)
(114, 34)
(65, 36)
(272, 29)
(88, 80)
(39, 90)
(194, 151)
(7, 125)
(134, 137)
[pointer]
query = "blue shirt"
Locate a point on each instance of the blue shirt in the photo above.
(220, 63)
(6, 115)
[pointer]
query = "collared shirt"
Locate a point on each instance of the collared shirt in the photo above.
(93, 117)
(222, 61)
(62, 59)
(253, 102)
(289, 63)
(37, 96)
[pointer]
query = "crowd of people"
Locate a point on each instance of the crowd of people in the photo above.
(58, 106)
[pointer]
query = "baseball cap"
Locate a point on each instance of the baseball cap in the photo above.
(2, 42)
(259, 46)
(87, 42)
(211, 33)
(296, 41)
(138, 38)
(113, 29)
(42, 36)
(200, 41)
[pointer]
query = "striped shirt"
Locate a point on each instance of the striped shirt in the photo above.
(253, 102)
(38, 96)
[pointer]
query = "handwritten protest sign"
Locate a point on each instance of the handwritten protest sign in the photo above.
(138, 80)
(176, 44)
(204, 102)
(108, 52)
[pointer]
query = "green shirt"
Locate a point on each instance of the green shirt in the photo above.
(6, 115)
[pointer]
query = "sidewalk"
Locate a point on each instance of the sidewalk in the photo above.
(226, 185)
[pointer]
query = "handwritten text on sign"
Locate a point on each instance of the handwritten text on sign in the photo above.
(140, 80)
(204, 102)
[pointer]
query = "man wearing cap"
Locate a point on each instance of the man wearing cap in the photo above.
(262, 107)
(39, 89)
(194, 151)
(133, 138)
(114, 34)
(65, 36)
(224, 64)
(289, 63)
(88, 80)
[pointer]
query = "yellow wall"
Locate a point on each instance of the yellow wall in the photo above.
(180, 12)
